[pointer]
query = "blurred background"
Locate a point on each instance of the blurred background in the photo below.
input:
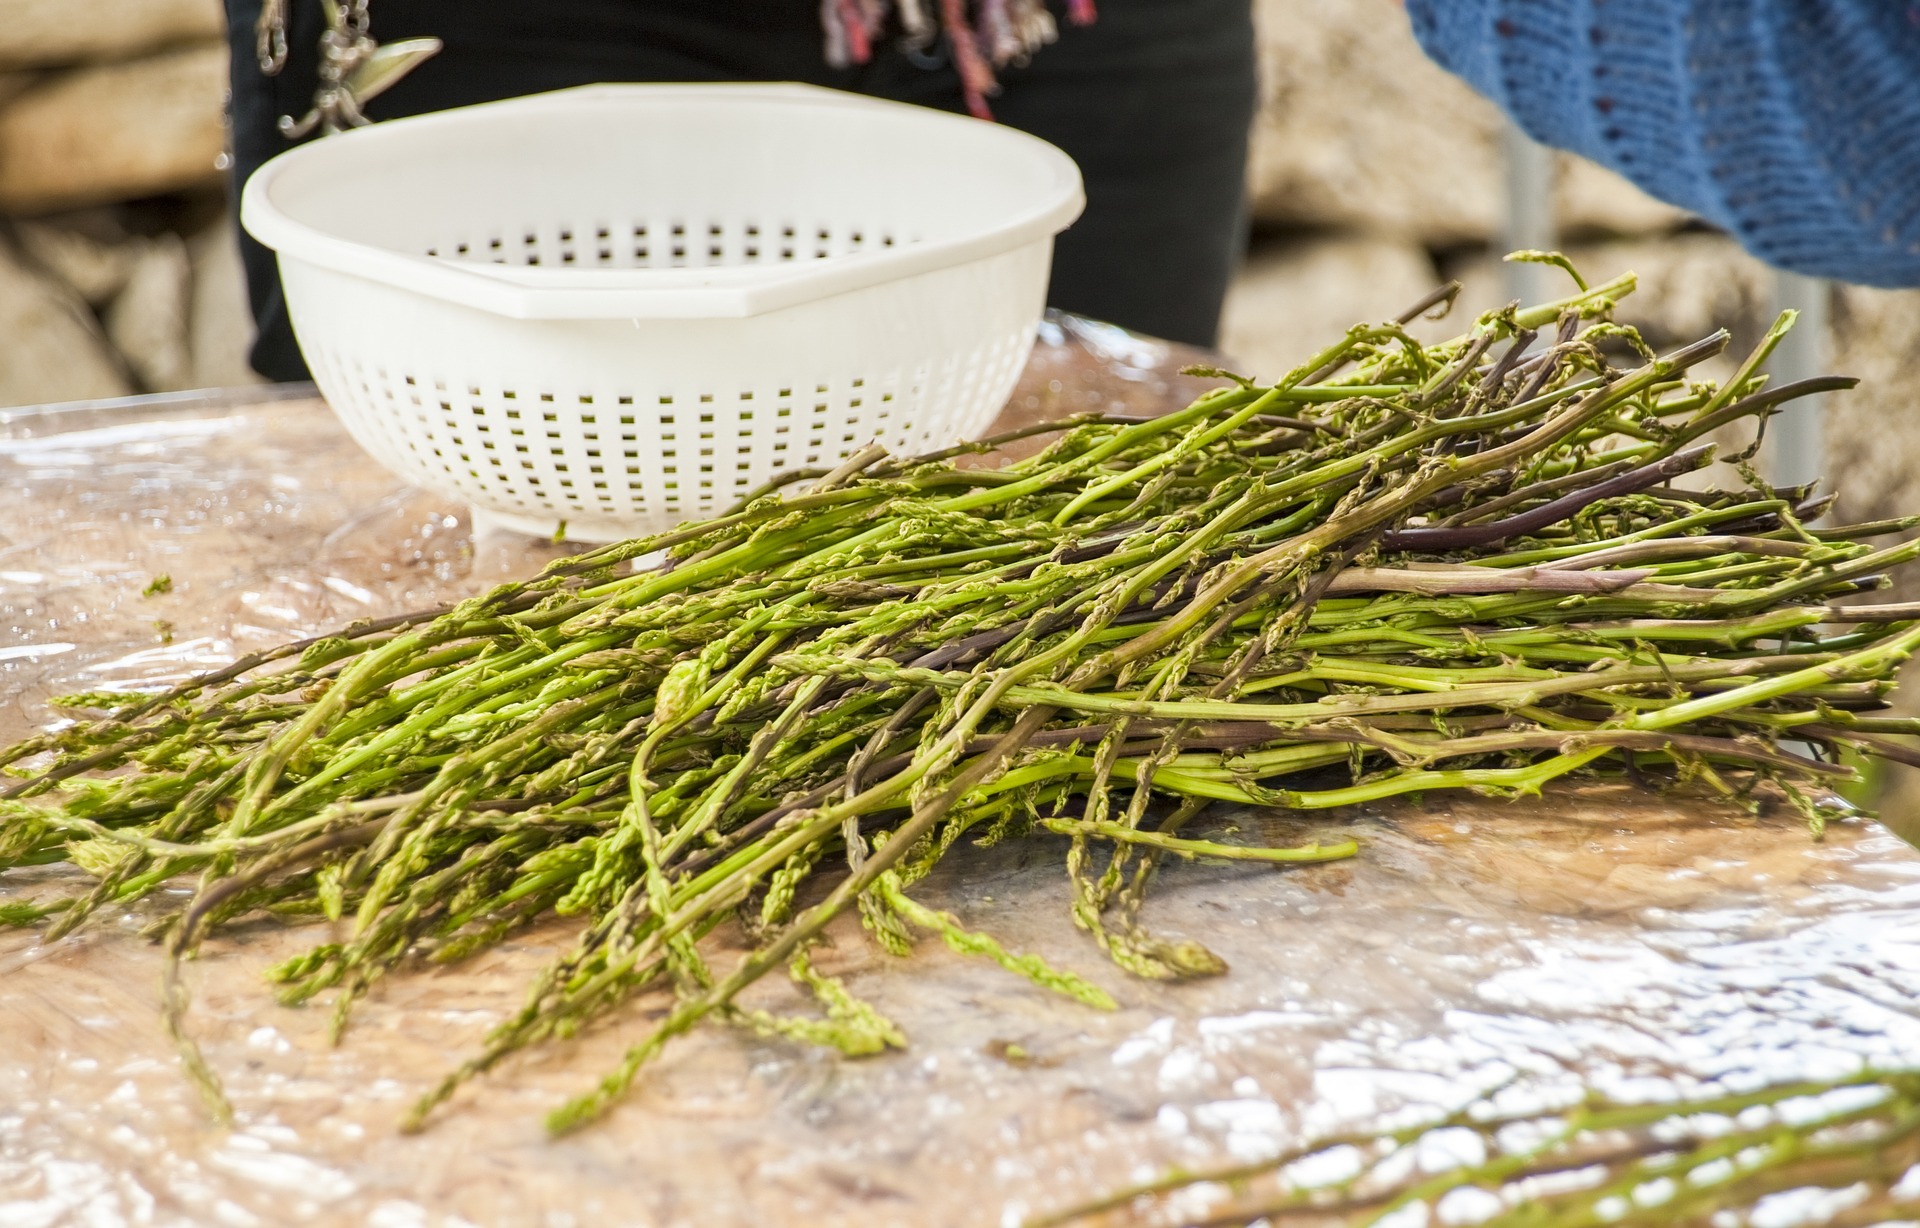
(1374, 175)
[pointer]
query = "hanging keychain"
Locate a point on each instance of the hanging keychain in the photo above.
(354, 69)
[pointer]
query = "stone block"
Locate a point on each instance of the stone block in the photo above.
(115, 132)
(1592, 202)
(90, 251)
(1358, 129)
(148, 320)
(1873, 431)
(220, 328)
(1293, 299)
(54, 350)
(43, 32)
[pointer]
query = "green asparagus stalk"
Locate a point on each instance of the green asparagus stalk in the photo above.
(1702, 1161)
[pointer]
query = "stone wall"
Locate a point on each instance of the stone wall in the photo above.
(118, 269)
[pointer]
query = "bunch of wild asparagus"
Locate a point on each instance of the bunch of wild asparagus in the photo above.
(1402, 568)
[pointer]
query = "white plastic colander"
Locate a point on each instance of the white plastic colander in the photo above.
(624, 306)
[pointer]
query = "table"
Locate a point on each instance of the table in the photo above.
(1603, 939)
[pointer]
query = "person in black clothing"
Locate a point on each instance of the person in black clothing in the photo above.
(1153, 100)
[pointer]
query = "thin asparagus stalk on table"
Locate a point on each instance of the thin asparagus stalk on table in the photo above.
(1487, 564)
(1841, 1148)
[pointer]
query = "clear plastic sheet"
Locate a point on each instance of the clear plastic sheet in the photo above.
(1605, 939)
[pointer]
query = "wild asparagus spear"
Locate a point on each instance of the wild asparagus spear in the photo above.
(1705, 1160)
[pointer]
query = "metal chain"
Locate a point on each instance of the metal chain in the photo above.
(349, 72)
(270, 37)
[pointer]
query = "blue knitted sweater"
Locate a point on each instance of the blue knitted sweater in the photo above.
(1793, 124)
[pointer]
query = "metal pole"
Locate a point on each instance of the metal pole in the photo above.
(1529, 220)
(1796, 443)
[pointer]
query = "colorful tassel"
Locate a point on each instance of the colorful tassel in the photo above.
(994, 34)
